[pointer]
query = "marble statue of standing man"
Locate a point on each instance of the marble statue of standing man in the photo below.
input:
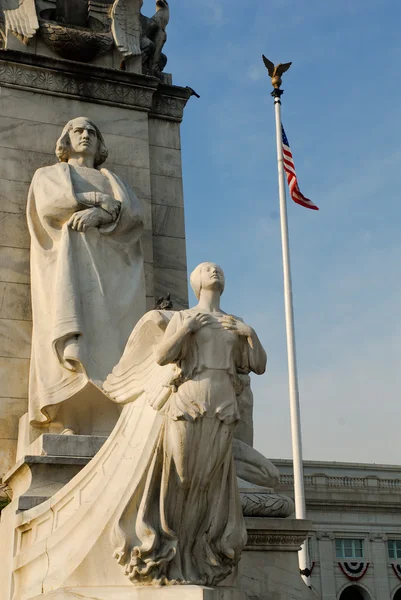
(88, 288)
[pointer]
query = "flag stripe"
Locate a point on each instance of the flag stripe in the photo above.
(292, 180)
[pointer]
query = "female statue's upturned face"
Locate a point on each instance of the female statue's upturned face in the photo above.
(212, 277)
(83, 138)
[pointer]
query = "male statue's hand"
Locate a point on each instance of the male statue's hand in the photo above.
(108, 204)
(83, 219)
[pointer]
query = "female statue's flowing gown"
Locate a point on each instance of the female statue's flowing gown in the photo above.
(189, 523)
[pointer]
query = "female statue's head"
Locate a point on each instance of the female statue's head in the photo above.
(81, 136)
(208, 276)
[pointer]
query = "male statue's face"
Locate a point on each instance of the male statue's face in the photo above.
(83, 138)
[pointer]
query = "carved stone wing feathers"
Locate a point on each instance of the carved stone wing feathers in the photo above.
(269, 65)
(137, 372)
(20, 17)
(126, 26)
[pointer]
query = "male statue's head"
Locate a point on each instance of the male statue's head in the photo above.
(81, 137)
(207, 276)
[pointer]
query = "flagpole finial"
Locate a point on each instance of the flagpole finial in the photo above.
(275, 72)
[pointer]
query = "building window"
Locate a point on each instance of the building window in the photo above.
(394, 548)
(348, 548)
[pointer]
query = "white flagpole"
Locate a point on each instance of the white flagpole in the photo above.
(299, 490)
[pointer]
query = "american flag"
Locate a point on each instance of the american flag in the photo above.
(292, 176)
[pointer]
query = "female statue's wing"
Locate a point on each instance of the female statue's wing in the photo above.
(138, 372)
(126, 26)
(20, 18)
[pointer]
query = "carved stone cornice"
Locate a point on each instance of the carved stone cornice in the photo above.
(69, 79)
(268, 541)
(169, 102)
(272, 534)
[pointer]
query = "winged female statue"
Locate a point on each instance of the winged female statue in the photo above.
(182, 522)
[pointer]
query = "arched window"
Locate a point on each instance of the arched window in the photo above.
(397, 595)
(355, 592)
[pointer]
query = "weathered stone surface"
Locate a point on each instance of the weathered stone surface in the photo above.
(168, 221)
(14, 377)
(147, 245)
(13, 230)
(19, 134)
(42, 108)
(165, 161)
(169, 253)
(149, 279)
(164, 133)
(11, 409)
(15, 338)
(138, 179)
(15, 301)
(13, 195)
(66, 445)
(150, 303)
(14, 265)
(167, 190)
(173, 282)
(20, 165)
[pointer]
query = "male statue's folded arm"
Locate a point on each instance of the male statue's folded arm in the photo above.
(90, 217)
(98, 199)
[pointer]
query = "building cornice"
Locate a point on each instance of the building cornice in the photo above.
(91, 83)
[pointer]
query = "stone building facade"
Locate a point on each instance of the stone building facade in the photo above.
(355, 543)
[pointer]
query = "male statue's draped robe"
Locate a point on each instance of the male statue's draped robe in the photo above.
(88, 289)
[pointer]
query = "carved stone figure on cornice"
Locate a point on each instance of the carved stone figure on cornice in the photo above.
(84, 29)
(153, 38)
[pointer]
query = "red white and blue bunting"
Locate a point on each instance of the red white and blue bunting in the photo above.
(354, 570)
(397, 570)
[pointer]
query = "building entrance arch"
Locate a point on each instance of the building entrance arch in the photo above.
(355, 592)
(397, 595)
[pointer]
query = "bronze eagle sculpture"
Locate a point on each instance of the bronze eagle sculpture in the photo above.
(275, 72)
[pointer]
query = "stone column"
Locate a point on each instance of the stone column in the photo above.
(326, 558)
(379, 562)
(169, 253)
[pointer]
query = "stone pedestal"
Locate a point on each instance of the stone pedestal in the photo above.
(140, 119)
(269, 567)
(174, 592)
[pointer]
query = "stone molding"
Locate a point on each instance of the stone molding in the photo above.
(170, 101)
(269, 541)
(344, 482)
(325, 535)
(65, 78)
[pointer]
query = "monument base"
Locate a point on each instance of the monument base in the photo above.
(173, 592)
(269, 568)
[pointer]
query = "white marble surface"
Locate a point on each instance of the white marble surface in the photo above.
(86, 271)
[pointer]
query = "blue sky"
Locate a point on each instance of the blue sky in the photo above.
(341, 111)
